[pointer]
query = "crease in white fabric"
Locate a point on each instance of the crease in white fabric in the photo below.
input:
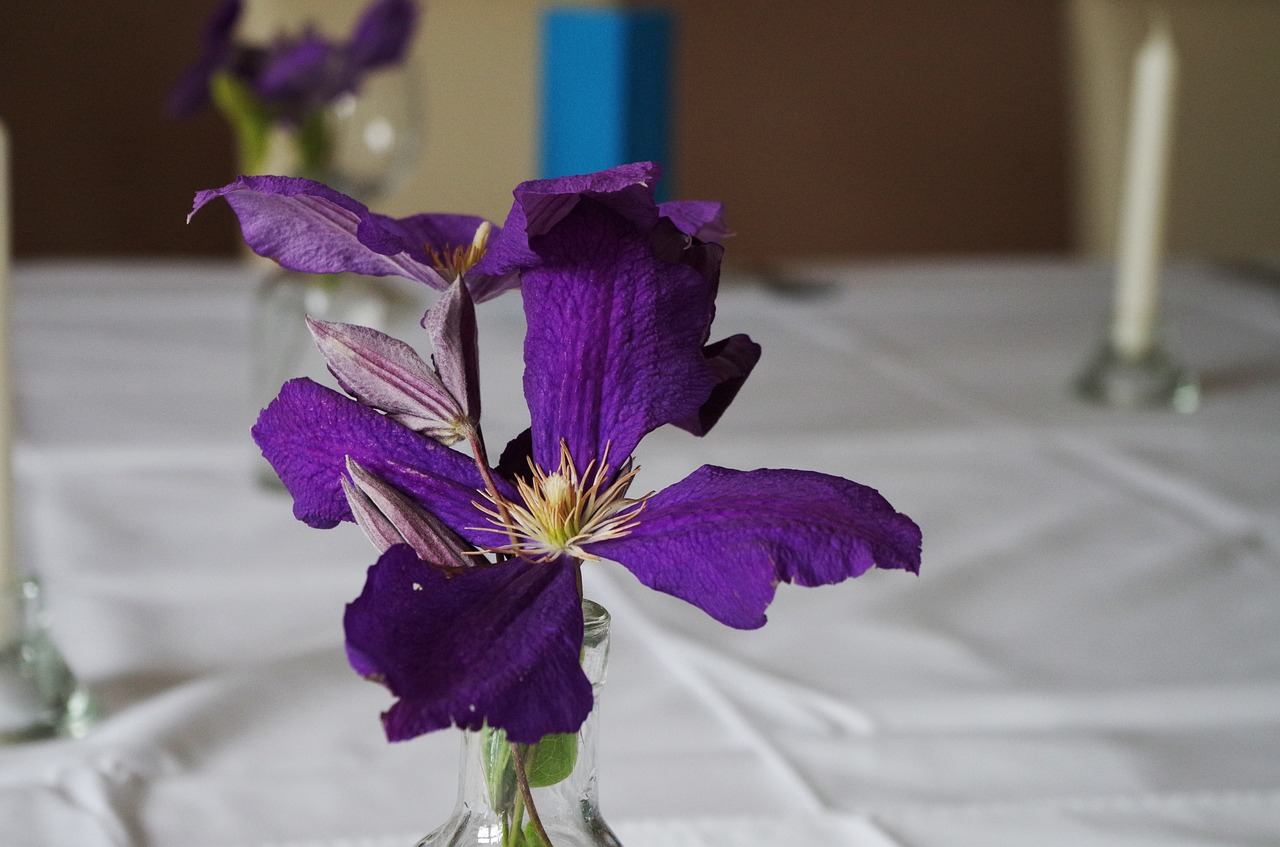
(1163, 489)
(832, 828)
(1153, 708)
(905, 374)
(669, 651)
(32, 462)
(81, 791)
(840, 713)
(1110, 802)
(837, 829)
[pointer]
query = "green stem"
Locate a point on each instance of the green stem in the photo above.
(511, 832)
(482, 463)
(522, 779)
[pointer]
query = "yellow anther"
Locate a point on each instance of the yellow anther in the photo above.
(564, 510)
(456, 262)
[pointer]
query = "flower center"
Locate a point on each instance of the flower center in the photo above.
(456, 262)
(564, 510)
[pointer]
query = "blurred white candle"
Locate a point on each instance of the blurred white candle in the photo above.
(1142, 212)
(8, 565)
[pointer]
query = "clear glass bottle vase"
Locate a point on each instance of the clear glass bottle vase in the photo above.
(282, 347)
(364, 143)
(492, 810)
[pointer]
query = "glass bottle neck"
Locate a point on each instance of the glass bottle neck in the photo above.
(493, 807)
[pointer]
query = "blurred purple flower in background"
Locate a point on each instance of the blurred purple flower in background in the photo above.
(293, 77)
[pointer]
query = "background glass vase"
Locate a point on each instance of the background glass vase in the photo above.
(39, 696)
(364, 144)
(491, 809)
(282, 345)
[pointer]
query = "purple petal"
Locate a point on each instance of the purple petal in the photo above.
(702, 219)
(427, 232)
(541, 204)
(191, 93)
(515, 457)
(308, 432)
(381, 35)
(496, 646)
(672, 245)
(386, 373)
(451, 323)
(302, 75)
(307, 226)
(731, 361)
(442, 234)
(722, 539)
(613, 348)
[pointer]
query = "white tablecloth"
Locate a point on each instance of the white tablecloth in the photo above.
(1091, 655)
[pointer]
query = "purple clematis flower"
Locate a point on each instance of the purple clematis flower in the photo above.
(295, 76)
(619, 297)
(308, 226)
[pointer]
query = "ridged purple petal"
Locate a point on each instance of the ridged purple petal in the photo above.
(496, 645)
(308, 432)
(307, 226)
(541, 204)
(722, 539)
(613, 348)
(732, 361)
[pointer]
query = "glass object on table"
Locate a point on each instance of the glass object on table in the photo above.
(39, 696)
(491, 808)
(364, 143)
(1148, 379)
(370, 144)
(283, 347)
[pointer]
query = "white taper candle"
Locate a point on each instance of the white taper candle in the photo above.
(8, 552)
(1142, 213)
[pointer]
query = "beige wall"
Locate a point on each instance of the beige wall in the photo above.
(1224, 190)
(829, 128)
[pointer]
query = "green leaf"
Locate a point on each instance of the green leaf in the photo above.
(249, 117)
(499, 769)
(551, 759)
(532, 838)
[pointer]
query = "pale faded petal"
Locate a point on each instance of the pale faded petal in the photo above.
(386, 373)
(307, 226)
(434, 542)
(451, 323)
(380, 531)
